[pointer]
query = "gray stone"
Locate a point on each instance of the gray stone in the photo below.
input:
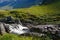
(2, 29)
(7, 28)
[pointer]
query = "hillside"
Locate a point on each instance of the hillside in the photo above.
(43, 9)
(44, 14)
(47, 14)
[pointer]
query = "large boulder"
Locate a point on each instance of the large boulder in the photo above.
(2, 29)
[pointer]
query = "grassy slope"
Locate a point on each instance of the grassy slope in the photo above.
(48, 12)
(45, 12)
(44, 9)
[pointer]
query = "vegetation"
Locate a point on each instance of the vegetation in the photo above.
(16, 37)
(44, 14)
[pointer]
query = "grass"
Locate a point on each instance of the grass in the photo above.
(43, 9)
(16, 37)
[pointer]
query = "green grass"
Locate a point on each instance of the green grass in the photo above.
(16, 37)
(43, 9)
(39, 10)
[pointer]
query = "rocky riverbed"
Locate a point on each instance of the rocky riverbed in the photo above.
(39, 30)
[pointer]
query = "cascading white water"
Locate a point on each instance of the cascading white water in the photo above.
(18, 29)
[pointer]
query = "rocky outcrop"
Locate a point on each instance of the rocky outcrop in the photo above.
(53, 31)
(2, 29)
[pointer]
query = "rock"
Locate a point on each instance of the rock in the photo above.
(7, 28)
(2, 29)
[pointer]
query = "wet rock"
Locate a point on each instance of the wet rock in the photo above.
(2, 29)
(7, 28)
(35, 30)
